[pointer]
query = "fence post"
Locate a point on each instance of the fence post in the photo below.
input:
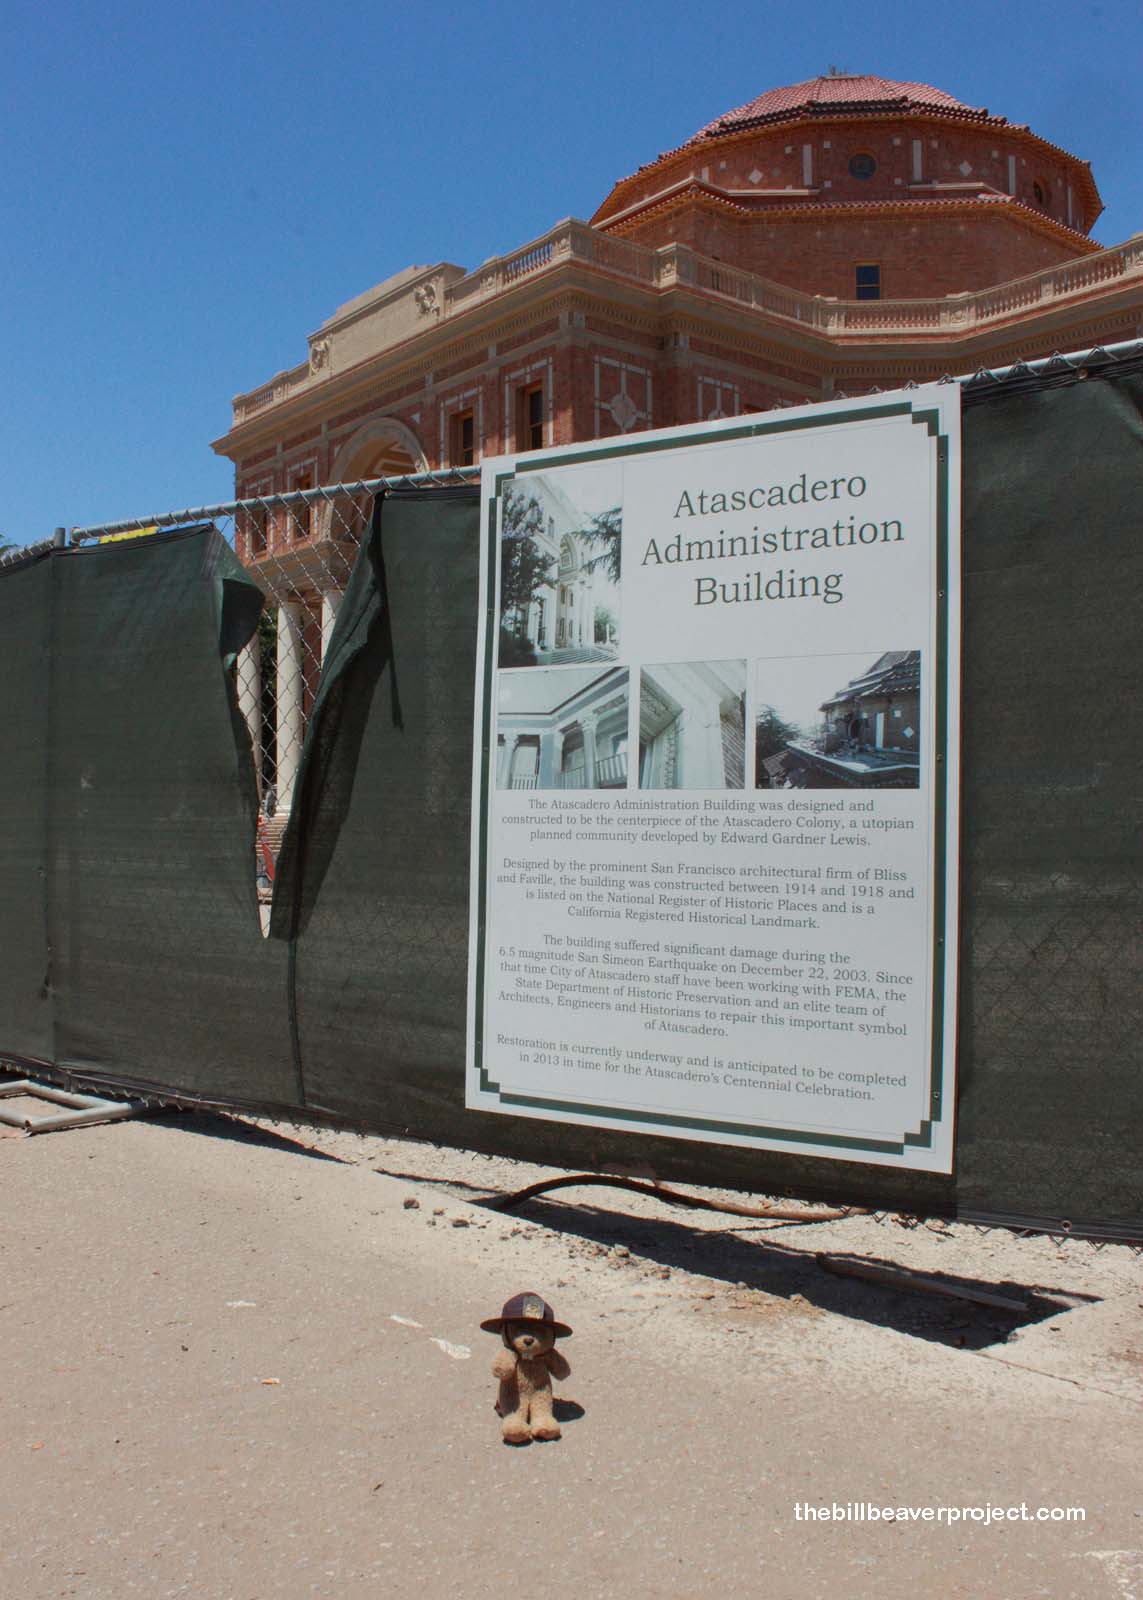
(59, 539)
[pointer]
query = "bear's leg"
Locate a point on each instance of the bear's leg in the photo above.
(540, 1416)
(514, 1429)
(514, 1410)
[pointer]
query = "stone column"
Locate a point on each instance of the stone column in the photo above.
(588, 723)
(290, 686)
(505, 756)
(557, 758)
(330, 601)
(700, 737)
(248, 683)
(510, 770)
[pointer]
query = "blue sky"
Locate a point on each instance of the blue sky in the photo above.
(189, 191)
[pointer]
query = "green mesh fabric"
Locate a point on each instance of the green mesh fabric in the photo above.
(133, 950)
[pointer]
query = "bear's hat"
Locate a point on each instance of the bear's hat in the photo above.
(527, 1307)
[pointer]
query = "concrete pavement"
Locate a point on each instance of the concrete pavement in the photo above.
(236, 1368)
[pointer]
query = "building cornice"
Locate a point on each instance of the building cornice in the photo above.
(696, 193)
(575, 267)
(407, 363)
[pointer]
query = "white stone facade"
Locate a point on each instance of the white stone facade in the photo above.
(692, 726)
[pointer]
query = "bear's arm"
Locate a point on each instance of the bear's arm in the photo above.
(504, 1367)
(556, 1365)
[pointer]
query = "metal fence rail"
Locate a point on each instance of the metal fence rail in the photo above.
(228, 510)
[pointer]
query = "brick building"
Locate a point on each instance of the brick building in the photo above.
(830, 237)
(834, 235)
(869, 734)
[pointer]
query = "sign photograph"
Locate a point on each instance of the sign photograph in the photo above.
(714, 880)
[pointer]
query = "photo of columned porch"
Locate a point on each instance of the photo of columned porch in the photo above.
(560, 556)
(562, 729)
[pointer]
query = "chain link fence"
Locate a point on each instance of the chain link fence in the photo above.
(301, 547)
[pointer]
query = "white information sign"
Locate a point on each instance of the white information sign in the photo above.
(715, 791)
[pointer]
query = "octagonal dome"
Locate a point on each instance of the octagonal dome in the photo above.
(838, 94)
(858, 142)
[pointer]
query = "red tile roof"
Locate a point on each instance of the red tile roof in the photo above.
(835, 95)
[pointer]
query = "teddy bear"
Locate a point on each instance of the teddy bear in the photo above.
(526, 1366)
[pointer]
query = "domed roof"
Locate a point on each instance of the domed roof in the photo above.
(837, 94)
(830, 100)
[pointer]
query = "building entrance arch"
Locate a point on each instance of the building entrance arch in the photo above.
(383, 448)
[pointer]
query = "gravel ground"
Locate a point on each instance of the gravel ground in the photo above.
(769, 1269)
(244, 1361)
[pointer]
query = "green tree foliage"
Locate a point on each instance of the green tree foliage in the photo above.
(604, 535)
(771, 735)
(524, 571)
(268, 643)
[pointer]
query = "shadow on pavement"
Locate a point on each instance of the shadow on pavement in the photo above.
(787, 1270)
(215, 1125)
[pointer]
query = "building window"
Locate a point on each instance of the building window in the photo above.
(254, 526)
(463, 451)
(868, 281)
(1042, 192)
(862, 165)
(530, 417)
(301, 516)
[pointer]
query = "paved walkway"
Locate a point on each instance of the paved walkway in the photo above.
(238, 1370)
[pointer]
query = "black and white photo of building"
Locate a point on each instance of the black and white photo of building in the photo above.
(560, 559)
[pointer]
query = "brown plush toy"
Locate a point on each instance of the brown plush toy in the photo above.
(526, 1366)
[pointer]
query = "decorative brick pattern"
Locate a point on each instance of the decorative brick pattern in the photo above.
(623, 398)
